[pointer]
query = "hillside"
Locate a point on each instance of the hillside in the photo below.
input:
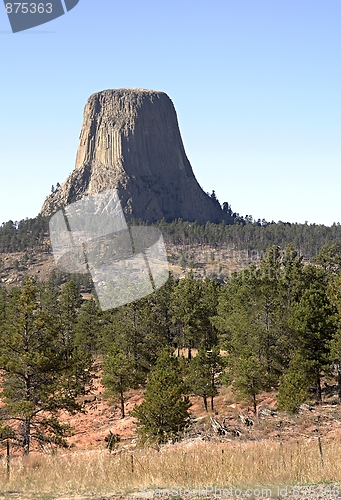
(213, 250)
(279, 313)
(102, 416)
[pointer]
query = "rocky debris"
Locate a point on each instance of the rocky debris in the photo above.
(264, 411)
(245, 420)
(222, 430)
(130, 141)
(305, 407)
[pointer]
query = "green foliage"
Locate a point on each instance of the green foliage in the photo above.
(293, 389)
(136, 329)
(88, 326)
(37, 381)
(83, 281)
(249, 378)
(334, 295)
(3, 303)
(237, 232)
(253, 320)
(329, 259)
(312, 320)
(119, 374)
(204, 374)
(193, 304)
(69, 304)
(279, 324)
(164, 411)
(186, 311)
(253, 236)
(24, 235)
(210, 291)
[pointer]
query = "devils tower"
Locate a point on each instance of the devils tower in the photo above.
(130, 141)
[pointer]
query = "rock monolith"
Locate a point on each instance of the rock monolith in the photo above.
(130, 141)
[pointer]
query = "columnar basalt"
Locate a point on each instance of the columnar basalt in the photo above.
(130, 141)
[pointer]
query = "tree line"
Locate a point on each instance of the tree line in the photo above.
(273, 327)
(28, 234)
(240, 233)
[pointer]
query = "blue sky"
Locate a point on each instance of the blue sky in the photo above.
(256, 85)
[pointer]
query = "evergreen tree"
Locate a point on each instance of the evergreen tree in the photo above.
(203, 378)
(215, 199)
(164, 411)
(312, 320)
(159, 302)
(278, 285)
(249, 377)
(3, 303)
(34, 371)
(249, 317)
(227, 208)
(70, 301)
(87, 327)
(292, 276)
(187, 312)
(136, 329)
(243, 337)
(334, 295)
(77, 355)
(49, 297)
(335, 357)
(254, 318)
(118, 375)
(294, 386)
(329, 259)
(210, 292)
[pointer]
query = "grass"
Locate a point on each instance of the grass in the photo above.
(237, 464)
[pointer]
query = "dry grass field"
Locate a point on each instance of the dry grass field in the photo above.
(187, 465)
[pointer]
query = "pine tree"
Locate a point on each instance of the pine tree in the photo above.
(48, 297)
(334, 295)
(280, 284)
(312, 321)
(119, 375)
(122, 327)
(248, 316)
(87, 327)
(203, 379)
(294, 386)
(70, 301)
(292, 276)
(77, 357)
(36, 383)
(335, 358)
(242, 337)
(255, 319)
(164, 411)
(210, 291)
(159, 303)
(187, 312)
(3, 303)
(138, 330)
(249, 378)
(329, 259)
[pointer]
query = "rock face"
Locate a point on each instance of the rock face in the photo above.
(130, 141)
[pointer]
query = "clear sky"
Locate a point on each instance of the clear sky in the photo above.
(256, 85)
